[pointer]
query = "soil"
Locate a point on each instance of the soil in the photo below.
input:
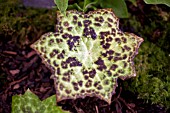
(24, 69)
(21, 68)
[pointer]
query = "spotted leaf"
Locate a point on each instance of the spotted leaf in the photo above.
(30, 103)
(87, 53)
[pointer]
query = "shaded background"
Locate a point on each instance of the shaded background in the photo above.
(21, 68)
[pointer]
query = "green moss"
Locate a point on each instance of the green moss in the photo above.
(20, 23)
(152, 70)
(152, 63)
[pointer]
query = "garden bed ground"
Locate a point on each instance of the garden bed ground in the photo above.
(21, 68)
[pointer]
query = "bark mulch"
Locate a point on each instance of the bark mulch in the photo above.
(21, 68)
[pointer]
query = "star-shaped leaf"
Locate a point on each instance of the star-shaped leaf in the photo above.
(87, 54)
(30, 103)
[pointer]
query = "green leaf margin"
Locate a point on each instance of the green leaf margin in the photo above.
(119, 7)
(166, 2)
(30, 103)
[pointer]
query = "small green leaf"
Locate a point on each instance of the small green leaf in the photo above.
(119, 7)
(62, 5)
(166, 2)
(30, 103)
(89, 4)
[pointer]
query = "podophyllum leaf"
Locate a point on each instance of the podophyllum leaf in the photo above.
(87, 54)
(30, 103)
(62, 5)
(119, 7)
(166, 2)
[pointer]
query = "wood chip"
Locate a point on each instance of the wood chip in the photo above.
(10, 52)
(14, 72)
(16, 86)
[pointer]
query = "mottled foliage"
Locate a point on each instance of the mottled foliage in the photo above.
(30, 103)
(87, 53)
